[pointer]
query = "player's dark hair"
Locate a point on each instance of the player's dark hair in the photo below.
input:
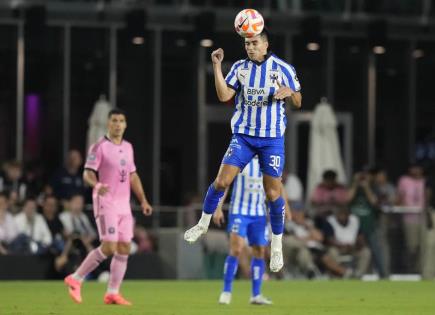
(116, 111)
(265, 34)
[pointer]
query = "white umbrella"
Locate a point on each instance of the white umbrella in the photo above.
(98, 121)
(324, 149)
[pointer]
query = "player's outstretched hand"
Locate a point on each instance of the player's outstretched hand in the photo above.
(218, 218)
(217, 56)
(282, 92)
(103, 189)
(146, 208)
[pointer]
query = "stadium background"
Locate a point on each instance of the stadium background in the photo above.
(67, 54)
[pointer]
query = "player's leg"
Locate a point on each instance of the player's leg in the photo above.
(272, 163)
(94, 257)
(257, 238)
(237, 229)
(118, 266)
(239, 154)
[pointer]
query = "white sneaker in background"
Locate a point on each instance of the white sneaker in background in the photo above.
(260, 300)
(225, 298)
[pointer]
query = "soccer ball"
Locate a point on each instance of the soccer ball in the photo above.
(248, 23)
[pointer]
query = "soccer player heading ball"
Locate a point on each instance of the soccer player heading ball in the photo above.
(261, 84)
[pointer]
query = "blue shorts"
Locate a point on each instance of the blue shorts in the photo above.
(270, 153)
(254, 228)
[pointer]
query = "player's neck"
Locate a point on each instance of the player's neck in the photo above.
(114, 139)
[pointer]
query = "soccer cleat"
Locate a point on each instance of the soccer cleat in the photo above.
(192, 234)
(276, 261)
(225, 298)
(74, 288)
(260, 300)
(111, 298)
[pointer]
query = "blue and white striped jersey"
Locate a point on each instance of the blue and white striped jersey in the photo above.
(257, 113)
(248, 196)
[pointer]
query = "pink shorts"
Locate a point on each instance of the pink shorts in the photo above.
(112, 225)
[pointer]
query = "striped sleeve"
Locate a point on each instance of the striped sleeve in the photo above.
(231, 79)
(289, 75)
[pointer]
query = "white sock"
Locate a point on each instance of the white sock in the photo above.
(112, 291)
(276, 244)
(205, 220)
(77, 277)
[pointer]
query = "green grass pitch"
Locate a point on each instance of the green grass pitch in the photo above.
(200, 297)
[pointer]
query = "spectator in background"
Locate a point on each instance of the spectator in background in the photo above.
(346, 240)
(32, 178)
(33, 233)
(384, 190)
(303, 242)
(328, 196)
(363, 204)
(11, 181)
(50, 213)
(8, 229)
(303, 246)
(386, 197)
(411, 192)
(143, 240)
(76, 223)
(68, 180)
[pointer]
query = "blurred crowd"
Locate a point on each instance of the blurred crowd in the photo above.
(49, 217)
(372, 226)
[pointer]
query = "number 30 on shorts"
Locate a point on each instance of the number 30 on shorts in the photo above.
(275, 161)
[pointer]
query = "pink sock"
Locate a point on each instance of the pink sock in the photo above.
(118, 267)
(91, 262)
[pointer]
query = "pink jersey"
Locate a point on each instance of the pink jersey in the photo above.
(113, 163)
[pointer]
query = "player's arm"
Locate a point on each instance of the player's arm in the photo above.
(224, 92)
(218, 216)
(136, 186)
(290, 97)
(90, 178)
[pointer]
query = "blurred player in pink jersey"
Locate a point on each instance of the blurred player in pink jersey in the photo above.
(111, 172)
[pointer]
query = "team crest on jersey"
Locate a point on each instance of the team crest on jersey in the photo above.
(273, 77)
(111, 230)
(123, 162)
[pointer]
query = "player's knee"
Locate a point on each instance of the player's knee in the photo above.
(123, 248)
(221, 183)
(272, 193)
(235, 251)
(108, 248)
(258, 252)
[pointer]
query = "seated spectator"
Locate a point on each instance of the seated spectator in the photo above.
(68, 180)
(8, 229)
(33, 233)
(303, 246)
(327, 197)
(302, 242)
(345, 239)
(11, 181)
(50, 213)
(76, 223)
